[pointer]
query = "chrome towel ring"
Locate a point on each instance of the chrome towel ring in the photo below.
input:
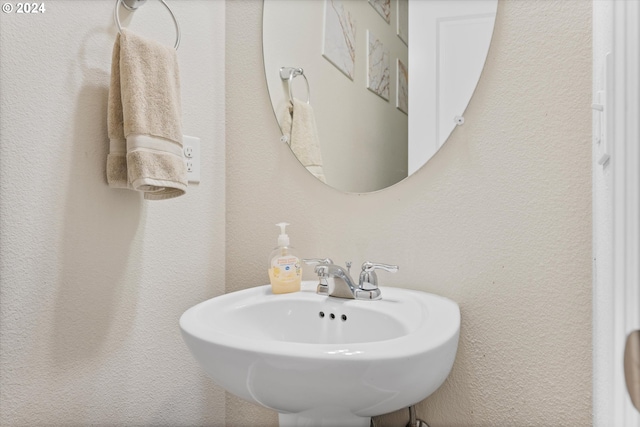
(289, 73)
(134, 5)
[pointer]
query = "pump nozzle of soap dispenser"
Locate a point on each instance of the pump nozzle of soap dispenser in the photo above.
(283, 238)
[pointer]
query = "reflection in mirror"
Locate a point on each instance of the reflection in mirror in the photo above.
(378, 85)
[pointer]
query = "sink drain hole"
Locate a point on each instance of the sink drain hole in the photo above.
(321, 314)
(344, 317)
(333, 316)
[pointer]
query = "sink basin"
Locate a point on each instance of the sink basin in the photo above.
(320, 360)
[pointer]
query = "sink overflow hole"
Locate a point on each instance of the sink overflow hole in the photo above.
(333, 316)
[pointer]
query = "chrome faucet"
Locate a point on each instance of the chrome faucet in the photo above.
(345, 287)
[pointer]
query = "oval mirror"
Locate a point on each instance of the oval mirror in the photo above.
(366, 91)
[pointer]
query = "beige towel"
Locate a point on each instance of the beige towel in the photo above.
(299, 125)
(144, 119)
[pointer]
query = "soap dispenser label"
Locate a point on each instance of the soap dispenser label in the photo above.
(286, 266)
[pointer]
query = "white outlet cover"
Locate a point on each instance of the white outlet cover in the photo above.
(192, 144)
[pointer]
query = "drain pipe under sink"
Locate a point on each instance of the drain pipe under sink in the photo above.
(413, 421)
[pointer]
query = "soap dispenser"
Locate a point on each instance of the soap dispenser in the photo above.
(285, 273)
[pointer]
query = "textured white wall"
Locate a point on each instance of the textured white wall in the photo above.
(93, 279)
(499, 220)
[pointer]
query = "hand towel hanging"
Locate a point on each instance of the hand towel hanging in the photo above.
(299, 119)
(145, 119)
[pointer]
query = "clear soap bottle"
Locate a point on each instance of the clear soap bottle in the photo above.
(285, 273)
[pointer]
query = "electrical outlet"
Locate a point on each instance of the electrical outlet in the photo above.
(191, 150)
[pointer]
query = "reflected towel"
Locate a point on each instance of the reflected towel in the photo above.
(144, 119)
(299, 125)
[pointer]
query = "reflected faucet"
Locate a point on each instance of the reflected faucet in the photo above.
(345, 287)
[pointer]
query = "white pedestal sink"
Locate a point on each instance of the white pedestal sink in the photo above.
(324, 361)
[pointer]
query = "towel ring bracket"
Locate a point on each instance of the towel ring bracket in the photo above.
(289, 73)
(133, 5)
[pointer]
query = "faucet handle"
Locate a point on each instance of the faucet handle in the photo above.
(370, 266)
(368, 276)
(313, 261)
(320, 264)
(322, 270)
